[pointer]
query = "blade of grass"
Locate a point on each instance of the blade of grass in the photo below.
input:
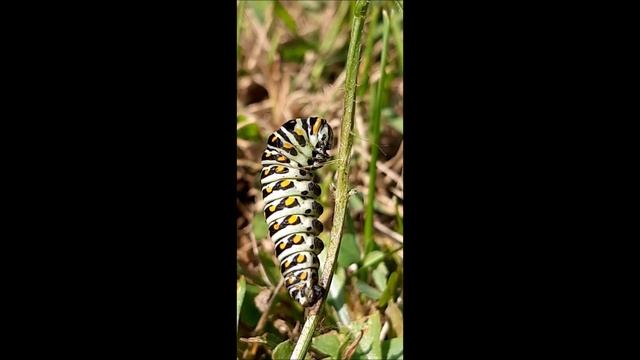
(397, 38)
(283, 14)
(242, 286)
(368, 51)
(329, 40)
(375, 131)
(342, 183)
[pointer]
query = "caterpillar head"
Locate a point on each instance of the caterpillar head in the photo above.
(307, 296)
(324, 142)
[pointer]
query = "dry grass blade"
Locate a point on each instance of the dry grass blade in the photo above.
(390, 233)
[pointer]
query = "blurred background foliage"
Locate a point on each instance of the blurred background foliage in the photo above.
(291, 63)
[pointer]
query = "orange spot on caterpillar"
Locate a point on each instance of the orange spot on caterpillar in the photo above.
(316, 127)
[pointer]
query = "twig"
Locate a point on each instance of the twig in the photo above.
(342, 184)
(254, 246)
(263, 318)
(390, 233)
(384, 169)
(352, 348)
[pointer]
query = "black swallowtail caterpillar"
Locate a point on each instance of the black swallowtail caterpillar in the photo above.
(290, 189)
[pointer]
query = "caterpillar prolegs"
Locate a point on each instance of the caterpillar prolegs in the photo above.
(290, 189)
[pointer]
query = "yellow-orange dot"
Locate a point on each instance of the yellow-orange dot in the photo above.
(290, 280)
(272, 208)
(266, 171)
(299, 131)
(303, 276)
(274, 138)
(287, 146)
(281, 158)
(292, 219)
(297, 239)
(300, 258)
(269, 189)
(285, 183)
(276, 226)
(280, 169)
(289, 201)
(287, 264)
(316, 127)
(282, 245)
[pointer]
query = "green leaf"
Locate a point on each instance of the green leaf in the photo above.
(250, 313)
(355, 203)
(241, 289)
(349, 252)
(390, 289)
(368, 290)
(272, 270)
(283, 351)
(372, 258)
(394, 314)
(380, 276)
(294, 50)
(282, 13)
(250, 132)
(260, 228)
(329, 343)
(393, 349)
(273, 340)
(369, 346)
(397, 123)
(336, 295)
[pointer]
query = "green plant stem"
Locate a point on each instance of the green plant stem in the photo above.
(342, 183)
(375, 131)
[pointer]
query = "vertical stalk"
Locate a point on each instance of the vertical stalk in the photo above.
(342, 184)
(375, 132)
(368, 50)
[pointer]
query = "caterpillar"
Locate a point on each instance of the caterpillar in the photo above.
(290, 191)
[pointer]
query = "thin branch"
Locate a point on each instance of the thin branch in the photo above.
(390, 233)
(263, 318)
